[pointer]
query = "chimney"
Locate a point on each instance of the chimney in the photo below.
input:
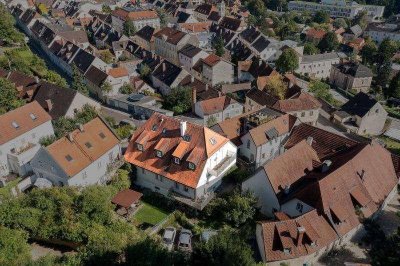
(144, 53)
(70, 138)
(183, 128)
(326, 165)
(80, 127)
(164, 67)
(191, 79)
(206, 87)
(37, 80)
(310, 140)
(219, 93)
(286, 189)
(300, 234)
(49, 105)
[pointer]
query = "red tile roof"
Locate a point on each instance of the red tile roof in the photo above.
(315, 34)
(166, 130)
(126, 198)
(283, 235)
(118, 72)
(216, 105)
(134, 15)
(170, 35)
(22, 120)
(298, 102)
(211, 60)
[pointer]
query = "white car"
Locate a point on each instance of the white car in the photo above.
(185, 240)
(169, 237)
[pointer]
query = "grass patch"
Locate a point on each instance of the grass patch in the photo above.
(149, 214)
(392, 145)
(6, 191)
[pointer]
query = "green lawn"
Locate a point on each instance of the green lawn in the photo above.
(392, 145)
(149, 214)
(6, 191)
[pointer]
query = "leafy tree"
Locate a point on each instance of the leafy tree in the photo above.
(126, 89)
(124, 131)
(9, 97)
(129, 28)
(225, 248)
(106, 87)
(329, 42)
(256, 8)
(340, 23)
(55, 78)
(385, 51)
(394, 87)
(383, 75)
(14, 249)
(276, 86)
(46, 141)
(286, 30)
(85, 114)
(219, 46)
(211, 121)
(361, 19)
(107, 56)
(321, 17)
(288, 61)
(179, 100)
(321, 90)
(148, 252)
(106, 9)
(78, 82)
(121, 180)
(144, 71)
(310, 49)
(8, 32)
(369, 52)
(163, 16)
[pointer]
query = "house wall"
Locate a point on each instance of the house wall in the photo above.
(347, 82)
(170, 51)
(317, 69)
(373, 122)
(307, 116)
(33, 136)
(188, 62)
(144, 43)
(96, 172)
(379, 36)
(222, 72)
(78, 102)
(261, 187)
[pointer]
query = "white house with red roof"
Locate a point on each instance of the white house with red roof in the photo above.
(180, 159)
(20, 133)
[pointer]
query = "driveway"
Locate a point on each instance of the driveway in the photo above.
(119, 115)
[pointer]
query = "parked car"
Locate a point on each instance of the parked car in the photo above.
(169, 237)
(185, 240)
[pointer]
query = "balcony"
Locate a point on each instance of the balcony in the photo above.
(197, 204)
(222, 165)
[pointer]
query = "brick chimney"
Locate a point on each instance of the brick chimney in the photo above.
(300, 234)
(194, 98)
(164, 67)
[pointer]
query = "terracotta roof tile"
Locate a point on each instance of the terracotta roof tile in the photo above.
(211, 60)
(216, 105)
(126, 198)
(299, 102)
(24, 118)
(118, 72)
(171, 35)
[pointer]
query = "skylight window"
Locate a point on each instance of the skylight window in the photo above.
(101, 134)
(154, 127)
(139, 147)
(15, 124)
(213, 141)
(191, 166)
(33, 116)
(88, 145)
(164, 130)
(187, 138)
(69, 158)
(176, 160)
(158, 153)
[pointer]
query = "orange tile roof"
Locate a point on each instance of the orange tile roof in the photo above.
(284, 234)
(196, 26)
(282, 124)
(126, 198)
(289, 167)
(135, 15)
(86, 146)
(211, 60)
(216, 105)
(118, 72)
(22, 117)
(315, 34)
(198, 148)
(298, 102)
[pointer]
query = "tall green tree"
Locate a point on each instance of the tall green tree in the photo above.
(8, 33)
(225, 248)
(361, 19)
(14, 249)
(310, 49)
(129, 28)
(179, 100)
(385, 51)
(288, 61)
(329, 43)
(78, 81)
(321, 17)
(340, 23)
(369, 52)
(383, 75)
(394, 87)
(9, 99)
(219, 46)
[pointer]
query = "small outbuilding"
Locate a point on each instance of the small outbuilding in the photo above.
(127, 201)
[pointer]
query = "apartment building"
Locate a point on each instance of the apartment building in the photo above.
(139, 18)
(318, 65)
(351, 76)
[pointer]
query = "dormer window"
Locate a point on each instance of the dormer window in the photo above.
(191, 166)
(139, 146)
(159, 153)
(177, 160)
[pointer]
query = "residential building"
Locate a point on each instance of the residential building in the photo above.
(215, 70)
(338, 8)
(318, 65)
(315, 35)
(257, 99)
(217, 109)
(139, 18)
(61, 102)
(336, 191)
(167, 76)
(265, 132)
(189, 55)
(180, 159)
(351, 76)
(362, 115)
(20, 133)
(203, 11)
(302, 105)
(169, 41)
(83, 157)
(145, 38)
(380, 31)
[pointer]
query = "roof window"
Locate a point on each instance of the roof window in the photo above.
(69, 158)
(15, 124)
(187, 138)
(159, 154)
(88, 145)
(33, 116)
(191, 166)
(154, 127)
(101, 134)
(213, 141)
